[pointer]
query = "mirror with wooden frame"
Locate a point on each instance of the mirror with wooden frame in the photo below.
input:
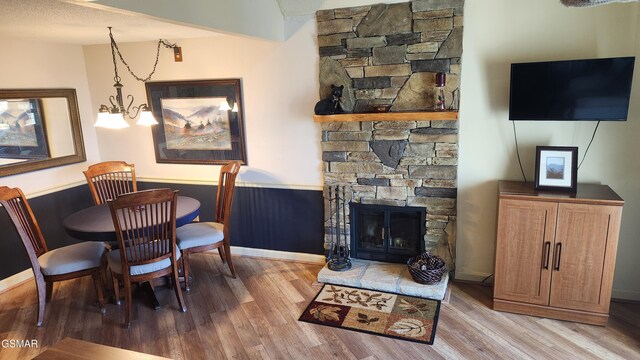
(39, 129)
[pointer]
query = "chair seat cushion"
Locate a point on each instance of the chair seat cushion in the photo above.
(199, 234)
(68, 259)
(115, 264)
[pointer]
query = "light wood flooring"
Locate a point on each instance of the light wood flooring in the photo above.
(255, 317)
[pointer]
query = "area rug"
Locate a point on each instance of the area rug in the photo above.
(375, 312)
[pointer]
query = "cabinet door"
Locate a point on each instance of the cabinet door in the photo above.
(584, 256)
(524, 241)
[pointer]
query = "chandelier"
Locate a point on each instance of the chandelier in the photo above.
(113, 117)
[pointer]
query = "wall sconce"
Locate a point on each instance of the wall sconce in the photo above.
(113, 117)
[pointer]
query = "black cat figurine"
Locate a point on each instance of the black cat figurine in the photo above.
(330, 105)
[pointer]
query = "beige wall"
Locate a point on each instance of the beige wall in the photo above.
(497, 33)
(32, 64)
(58, 127)
(279, 83)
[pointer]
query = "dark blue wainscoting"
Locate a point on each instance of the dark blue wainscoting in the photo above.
(263, 218)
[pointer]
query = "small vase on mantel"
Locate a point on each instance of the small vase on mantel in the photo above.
(441, 79)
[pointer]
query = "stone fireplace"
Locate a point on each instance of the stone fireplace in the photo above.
(386, 233)
(389, 54)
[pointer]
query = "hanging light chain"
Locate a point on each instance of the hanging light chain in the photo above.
(160, 42)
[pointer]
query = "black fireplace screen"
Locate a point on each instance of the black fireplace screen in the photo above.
(387, 233)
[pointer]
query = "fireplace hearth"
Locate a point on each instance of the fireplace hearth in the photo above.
(387, 233)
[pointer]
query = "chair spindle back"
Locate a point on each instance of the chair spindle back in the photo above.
(145, 224)
(20, 213)
(108, 180)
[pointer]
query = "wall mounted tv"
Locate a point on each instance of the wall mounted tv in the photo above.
(571, 90)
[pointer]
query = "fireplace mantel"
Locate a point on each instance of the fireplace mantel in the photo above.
(388, 116)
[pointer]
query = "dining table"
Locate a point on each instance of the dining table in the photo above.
(95, 224)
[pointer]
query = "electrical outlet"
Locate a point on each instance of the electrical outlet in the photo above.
(177, 54)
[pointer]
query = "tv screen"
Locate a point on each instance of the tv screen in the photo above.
(591, 89)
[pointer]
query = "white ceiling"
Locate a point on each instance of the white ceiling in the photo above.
(82, 23)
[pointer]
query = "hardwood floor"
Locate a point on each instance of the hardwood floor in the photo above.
(255, 317)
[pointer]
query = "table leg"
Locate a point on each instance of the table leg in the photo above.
(147, 287)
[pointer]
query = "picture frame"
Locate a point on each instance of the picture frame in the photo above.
(193, 125)
(23, 134)
(556, 168)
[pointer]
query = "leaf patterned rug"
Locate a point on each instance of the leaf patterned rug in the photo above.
(375, 312)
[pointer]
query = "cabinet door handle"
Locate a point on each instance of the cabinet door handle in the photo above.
(557, 253)
(547, 250)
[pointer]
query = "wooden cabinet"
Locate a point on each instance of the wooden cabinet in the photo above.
(555, 252)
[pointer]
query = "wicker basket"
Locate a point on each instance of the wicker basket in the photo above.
(426, 269)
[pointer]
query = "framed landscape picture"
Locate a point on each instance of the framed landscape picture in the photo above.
(22, 129)
(556, 168)
(199, 122)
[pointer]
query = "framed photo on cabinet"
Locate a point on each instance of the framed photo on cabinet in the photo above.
(199, 121)
(556, 168)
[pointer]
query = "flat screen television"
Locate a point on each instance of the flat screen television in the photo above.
(571, 90)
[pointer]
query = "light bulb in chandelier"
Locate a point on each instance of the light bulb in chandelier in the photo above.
(110, 120)
(146, 116)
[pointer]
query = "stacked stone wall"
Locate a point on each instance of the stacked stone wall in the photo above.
(389, 54)
(423, 157)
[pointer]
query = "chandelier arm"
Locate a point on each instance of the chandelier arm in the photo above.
(130, 97)
(137, 109)
(112, 100)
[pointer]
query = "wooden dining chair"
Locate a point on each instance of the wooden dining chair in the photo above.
(107, 180)
(203, 236)
(145, 224)
(49, 266)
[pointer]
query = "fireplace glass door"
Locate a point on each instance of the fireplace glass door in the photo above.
(387, 233)
(371, 230)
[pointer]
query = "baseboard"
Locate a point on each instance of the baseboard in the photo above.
(15, 280)
(625, 295)
(473, 276)
(276, 254)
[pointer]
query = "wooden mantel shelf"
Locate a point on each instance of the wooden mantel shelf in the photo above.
(389, 116)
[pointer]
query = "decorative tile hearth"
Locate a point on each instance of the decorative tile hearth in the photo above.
(381, 276)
